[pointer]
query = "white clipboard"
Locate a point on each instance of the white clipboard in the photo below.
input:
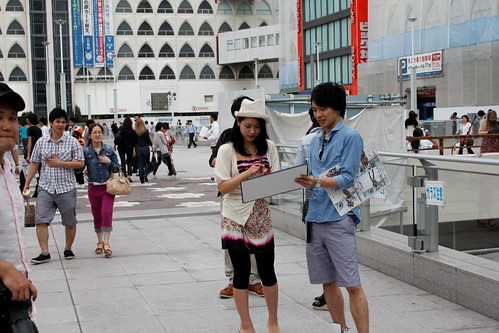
(273, 183)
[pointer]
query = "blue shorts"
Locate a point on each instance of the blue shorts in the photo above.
(46, 205)
(332, 253)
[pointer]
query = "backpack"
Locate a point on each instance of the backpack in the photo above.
(118, 138)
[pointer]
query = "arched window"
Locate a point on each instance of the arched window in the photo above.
(104, 74)
(146, 52)
(124, 29)
(166, 30)
(224, 8)
(123, 7)
(265, 72)
(81, 75)
(125, 52)
(206, 52)
(126, 74)
(224, 28)
(14, 6)
(185, 8)
(167, 74)
(185, 30)
(16, 52)
(17, 74)
(207, 73)
(146, 74)
(15, 28)
(226, 73)
(205, 8)
(144, 7)
(145, 30)
(186, 52)
(263, 8)
(244, 26)
(187, 73)
(263, 24)
(165, 7)
(244, 9)
(246, 73)
(205, 30)
(166, 52)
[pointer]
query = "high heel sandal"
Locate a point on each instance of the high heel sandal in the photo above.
(273, 329)
(107, 251)
(100, 248)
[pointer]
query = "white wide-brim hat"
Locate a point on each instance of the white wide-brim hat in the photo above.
(252, 109)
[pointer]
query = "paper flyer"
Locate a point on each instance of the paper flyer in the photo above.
(371, 178)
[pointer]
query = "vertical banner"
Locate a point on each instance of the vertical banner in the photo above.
(108, 32)
(77, 33)
(99, 33)
(290, 59)
(299, 41)
(359, 26)
(88, 45)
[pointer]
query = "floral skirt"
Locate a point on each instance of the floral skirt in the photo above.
(256, 236)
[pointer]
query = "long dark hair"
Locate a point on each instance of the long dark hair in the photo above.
(315, 123)
(416, 143)
(260, 141)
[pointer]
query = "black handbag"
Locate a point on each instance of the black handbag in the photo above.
(14, 315)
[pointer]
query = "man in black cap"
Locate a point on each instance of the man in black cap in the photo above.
(15, 287)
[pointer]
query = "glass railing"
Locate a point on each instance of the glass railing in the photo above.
(466, 220)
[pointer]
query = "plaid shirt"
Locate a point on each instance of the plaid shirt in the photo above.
(57, 179)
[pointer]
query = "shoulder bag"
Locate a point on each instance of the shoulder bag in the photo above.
(118, 184)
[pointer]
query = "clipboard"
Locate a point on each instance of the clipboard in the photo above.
(273, 183)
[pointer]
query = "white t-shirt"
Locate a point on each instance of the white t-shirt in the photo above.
(423, 144)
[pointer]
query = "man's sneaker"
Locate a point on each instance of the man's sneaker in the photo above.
(337, 329)
(256, 289)
(227, 292)
(68, 254)
(320, 303)
(41, 259)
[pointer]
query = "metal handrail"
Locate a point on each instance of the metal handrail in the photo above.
(470, 160)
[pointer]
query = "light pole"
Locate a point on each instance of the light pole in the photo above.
(256, 72)
(47, 79)
(317, 49)
(62, 75)
(413, 68)
(115, 91)
(172, 96)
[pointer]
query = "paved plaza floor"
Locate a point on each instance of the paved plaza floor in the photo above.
(167, 270)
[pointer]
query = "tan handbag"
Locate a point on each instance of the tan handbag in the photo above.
(29, 214)
(118, 184)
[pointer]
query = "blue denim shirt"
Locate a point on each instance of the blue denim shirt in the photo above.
(345, 146)
(99, 172)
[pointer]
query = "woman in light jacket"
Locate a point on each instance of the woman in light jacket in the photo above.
(100, 160)
(247, 227)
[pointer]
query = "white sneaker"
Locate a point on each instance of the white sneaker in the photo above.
(337, 329)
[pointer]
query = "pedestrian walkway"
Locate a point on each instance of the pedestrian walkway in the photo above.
(167, 270)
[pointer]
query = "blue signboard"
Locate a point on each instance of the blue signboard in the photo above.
(77, 33)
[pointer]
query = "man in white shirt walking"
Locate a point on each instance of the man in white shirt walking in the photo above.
(213, 132)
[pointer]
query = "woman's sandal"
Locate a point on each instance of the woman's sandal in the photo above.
(107, 251)
(100, 248)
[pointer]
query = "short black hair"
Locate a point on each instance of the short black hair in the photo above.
(329, 94)
(33, 118)
(43, 120)
(214, 116)
(236, 104)
(90, 122)
(158, 127)
(73, 119)
(56, 113)
(481, 113)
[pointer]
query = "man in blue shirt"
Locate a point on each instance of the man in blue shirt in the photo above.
(191, 131)
(331, 245)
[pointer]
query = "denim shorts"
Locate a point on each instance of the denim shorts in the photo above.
(46, 205)
(332, 253)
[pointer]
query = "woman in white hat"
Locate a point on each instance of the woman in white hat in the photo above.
(247, 227)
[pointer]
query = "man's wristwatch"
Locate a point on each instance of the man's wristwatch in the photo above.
(318, 182)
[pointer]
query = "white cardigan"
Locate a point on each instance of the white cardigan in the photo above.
(226, 168)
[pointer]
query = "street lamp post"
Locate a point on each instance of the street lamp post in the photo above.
(47, 79)
(256, 72)
(115, 91)
(62, 75)
(172, 96)
(317, 49)
(413, 68)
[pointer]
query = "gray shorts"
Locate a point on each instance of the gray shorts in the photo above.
(332, 253)
(47, 203)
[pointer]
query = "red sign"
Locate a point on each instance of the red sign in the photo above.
(360, 27)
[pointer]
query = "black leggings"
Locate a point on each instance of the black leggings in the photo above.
(242, 268)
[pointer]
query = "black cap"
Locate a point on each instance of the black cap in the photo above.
(10, 97)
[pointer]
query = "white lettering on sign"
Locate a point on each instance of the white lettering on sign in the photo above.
(434, 193)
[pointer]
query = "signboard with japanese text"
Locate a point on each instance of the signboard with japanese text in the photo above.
(77, 33)
(434, 193)
(88, 44)
(427, 64)
(99, 33)
(359, 25)
(108, 32)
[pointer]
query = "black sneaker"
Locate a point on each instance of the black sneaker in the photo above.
(40, 259)
(68, 254)
(320, 304)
